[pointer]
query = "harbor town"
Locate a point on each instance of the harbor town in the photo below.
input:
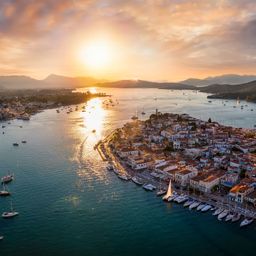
(201, 164)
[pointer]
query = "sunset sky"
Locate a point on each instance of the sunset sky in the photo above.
(117, 39)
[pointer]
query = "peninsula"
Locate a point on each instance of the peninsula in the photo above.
(208, 164)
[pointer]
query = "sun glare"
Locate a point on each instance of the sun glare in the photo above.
(96, 55)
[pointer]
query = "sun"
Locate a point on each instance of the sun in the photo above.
(96, 55)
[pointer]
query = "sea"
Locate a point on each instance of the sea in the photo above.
(69, 204)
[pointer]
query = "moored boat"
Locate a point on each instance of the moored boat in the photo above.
(188, 203)
(123, 177)
(200, 207)
(229, 216)
(160, 192)
(246, 222)
(194, 205)
(169, 191)
(236, 217)
(10, 214)
(218, 211)
(149, 187)
(4, 192)
(8, 178)
(223, 214)
(206, 208)
(137, 181)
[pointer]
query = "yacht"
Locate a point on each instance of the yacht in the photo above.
(194, 205)
(206, 208)
(137, 181)
(149, 187)
(200, 207)
(172, 197)
(246, 222)
(10, 214)
(223, 214)
(229, 216)
(218, 211)
(169, 191)
(236, 217)
(8, 178)
(188, 203)
(182, 199)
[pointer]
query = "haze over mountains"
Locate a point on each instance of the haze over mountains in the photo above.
(220, 86)
(223, 79)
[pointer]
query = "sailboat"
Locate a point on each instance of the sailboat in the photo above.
(4, 192)
(10, 214)
(169, 191)
(8, 178)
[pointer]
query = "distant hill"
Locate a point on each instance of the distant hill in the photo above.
(223, 79)
(52, 81)
(146, 84)
(227, 91)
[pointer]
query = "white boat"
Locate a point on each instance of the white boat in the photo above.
(10, 214)
(206, 208)
(172, 197)
(137, 181)
(123, 177)
(236, 217)
(218, 211)
(181, 199)
(149, 187)
(200, 207)
(169, 191)
(1, 238)
(110, 167)
(194, 205)
(4, 192)
(188, 203)
(229, 216)
(8, 178)
(223, 214)
(160, 192)
(246, 222)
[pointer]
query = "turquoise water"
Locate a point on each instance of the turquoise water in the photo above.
(69, 204)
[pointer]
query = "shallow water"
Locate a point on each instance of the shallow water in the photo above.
(69, 204)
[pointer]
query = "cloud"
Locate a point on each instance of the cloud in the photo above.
(176, 35)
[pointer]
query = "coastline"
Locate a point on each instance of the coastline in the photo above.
(109, 153)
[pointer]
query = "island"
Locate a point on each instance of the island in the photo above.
(208, 165)
(21, 104)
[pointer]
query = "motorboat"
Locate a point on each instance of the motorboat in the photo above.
(24, 141)
(206, 208)
(123, 177)
(229, 216)
(137, 181)
(172, 197)
(15, 144)
(149, 187)
(223, 214)
(161, 192)
(218, 211)
(200, 207)
(8, 178)
(188, 203)
(246, 222)
(194, 205)
(181, 199)
(236, 217)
